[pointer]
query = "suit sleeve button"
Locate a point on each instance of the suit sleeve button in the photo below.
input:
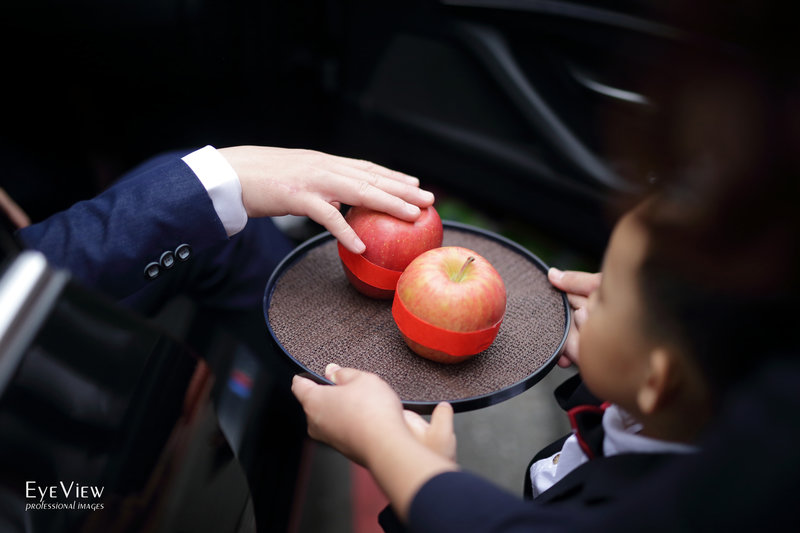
(183, 252)
(152, 270)
(167, 260)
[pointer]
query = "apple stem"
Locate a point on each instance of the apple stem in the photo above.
(461, 272)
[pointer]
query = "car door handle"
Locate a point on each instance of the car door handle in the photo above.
(615, 93)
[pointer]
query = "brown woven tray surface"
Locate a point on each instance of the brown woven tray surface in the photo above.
(318, 318)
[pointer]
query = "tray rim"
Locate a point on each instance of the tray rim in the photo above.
(419, 406)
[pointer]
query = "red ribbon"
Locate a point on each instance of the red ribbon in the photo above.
(369, 272)
(580, 410)
(455, 343)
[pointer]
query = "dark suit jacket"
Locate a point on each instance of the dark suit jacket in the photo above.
(598, 482)
(108, 241)
(745, 478)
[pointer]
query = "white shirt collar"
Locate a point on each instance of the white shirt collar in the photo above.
(622, 436)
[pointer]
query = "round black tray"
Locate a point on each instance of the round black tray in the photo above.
(316, 317)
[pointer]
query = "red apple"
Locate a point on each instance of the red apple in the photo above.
(449, 304)
(391, 244)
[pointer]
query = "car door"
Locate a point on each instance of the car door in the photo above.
(528, 108)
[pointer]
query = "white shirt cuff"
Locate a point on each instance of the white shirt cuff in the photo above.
(223, 186)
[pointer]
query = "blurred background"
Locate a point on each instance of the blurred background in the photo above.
(500, 105)
(524, 117)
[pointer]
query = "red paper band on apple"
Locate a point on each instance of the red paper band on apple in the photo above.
(455, 343)
(368, 272)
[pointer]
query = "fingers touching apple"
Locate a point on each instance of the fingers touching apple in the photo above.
(281, 181)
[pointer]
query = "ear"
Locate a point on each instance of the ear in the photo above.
(659, 381)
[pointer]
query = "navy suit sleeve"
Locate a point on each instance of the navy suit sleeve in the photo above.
(107, 241)
(460, 501)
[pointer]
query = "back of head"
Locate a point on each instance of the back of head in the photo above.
(724, 246)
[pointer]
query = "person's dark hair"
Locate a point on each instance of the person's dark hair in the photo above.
(711, 302)
(722, 269)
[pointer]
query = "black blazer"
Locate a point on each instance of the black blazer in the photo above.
(597, 482)
(743, 479)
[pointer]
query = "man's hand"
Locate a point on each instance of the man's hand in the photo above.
(282, 181)
(578, 286)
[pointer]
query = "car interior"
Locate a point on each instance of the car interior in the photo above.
(525, 116)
